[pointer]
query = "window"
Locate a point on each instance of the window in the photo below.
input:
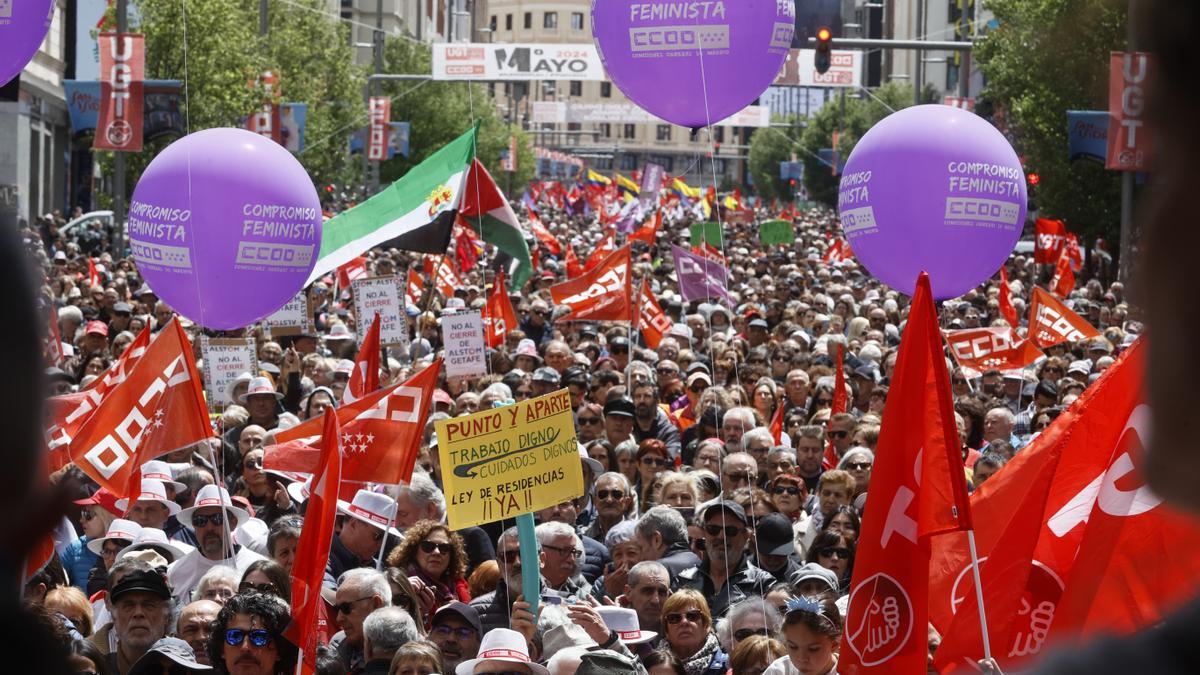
(549, 88)
(550, 21)
(719, 166)
(667, 162)
(508, 22)
(576, 88)
(606, 90)
(492, 24)
(576, 20)
(629, 162)
(662, 132)
(719, 134)
(602, 163)
(630, 131)
(606, 129)
(528, 20)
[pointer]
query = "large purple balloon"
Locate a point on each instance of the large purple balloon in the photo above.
(23, 26)
(225, 226)
(666, 54)
(937, 189)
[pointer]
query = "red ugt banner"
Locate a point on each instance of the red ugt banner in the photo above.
(122, 69)
(1128, 138)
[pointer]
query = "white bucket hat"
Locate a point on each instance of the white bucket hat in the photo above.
(502, 644)
(152, 491)
(119, 528)
(211, 495)
(260, 385)
(161, 471)
(625, 623)
(372, 508)
(154, 539)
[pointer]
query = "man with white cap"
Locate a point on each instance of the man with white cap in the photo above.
(261, 400)
(502, 651)
(371, 517)
(212, 518)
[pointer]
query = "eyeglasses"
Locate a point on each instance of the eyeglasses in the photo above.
(739, 478)
(653, 461)
(833, 433)
(259, 637)
(824, 401)
(217, 519)
(431, 546)
(261, 588)
(107, 552)
(782, 356)
(730, 531)
(697, 544)
(586, 421)
(786, 490)
(858, 466)
(347, 607)
(830, 551)
(692, 616)
(462, 632)
(744, 633)
(614, 495)
(564, 551)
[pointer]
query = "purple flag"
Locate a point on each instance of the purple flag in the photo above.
(652, 180)
(699, 277)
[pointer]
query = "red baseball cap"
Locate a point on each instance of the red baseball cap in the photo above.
(96, 327)
(102, 498)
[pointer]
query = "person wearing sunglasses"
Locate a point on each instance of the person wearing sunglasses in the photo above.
(613, 498)
(589, 423)
(835, 552)
(360, 592)
(248, 638)
(748, 618)
(435, 560)
(858, 462)
(652, 459)
(457, 632)
(689, 633)
(212, 518)
(834, 490)
(725, 575)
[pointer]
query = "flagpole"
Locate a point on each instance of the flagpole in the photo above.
(392, 519)
(987, 645)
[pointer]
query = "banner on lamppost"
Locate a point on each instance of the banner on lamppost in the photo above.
(1128, 137)
(380, 114)
(122, 70)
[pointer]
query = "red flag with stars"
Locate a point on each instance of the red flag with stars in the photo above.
(381, 434)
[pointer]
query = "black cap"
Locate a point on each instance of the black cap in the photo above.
(620, 406)
(728, 506)
(773, 533)
(461, 609)
(1047, 388)
(141, 582)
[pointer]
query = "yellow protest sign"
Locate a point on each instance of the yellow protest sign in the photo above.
(506, 461)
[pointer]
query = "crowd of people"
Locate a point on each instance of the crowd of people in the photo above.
(705, 542)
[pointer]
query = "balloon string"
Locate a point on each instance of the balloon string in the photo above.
(187, 100)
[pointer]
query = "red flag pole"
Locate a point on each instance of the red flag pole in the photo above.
(987, 646)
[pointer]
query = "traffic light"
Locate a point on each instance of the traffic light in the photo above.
(1033, 179)
(823, 58)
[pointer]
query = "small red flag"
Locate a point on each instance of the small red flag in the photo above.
(1064, 279)
(365, 377)
(652, 320)
(604, 249)
(603, 294)
(918, 490)
(416, 286)
(996, 347)
(1051, 322)
(648, 232)
(777, 423)
(1005, 300)
(1049, 239)
(447, 279)
(498, 315)
(354, 269)
(543, 235)
(381, 433)
(574, 268)
(312, 551)
(831, 459)
(93, 274)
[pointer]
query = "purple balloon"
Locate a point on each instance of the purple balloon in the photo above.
(225, 226)
(23, 26)
(937, 189)
(652, 51)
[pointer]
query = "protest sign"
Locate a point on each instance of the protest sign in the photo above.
(382, 296)
(224, 360)
(709, 231)
(291, 319)
(511, 460)
(462, 335)
(776, 232)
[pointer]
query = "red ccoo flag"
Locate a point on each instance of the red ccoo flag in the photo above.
(1005, 300)
(831, 458)
(157, 408)
(919, 490)
(1064, 279)
(498, 315)
(543, 236)
(574, 268)
(603, 294)
(414, 289)
(995, 347)
(365, 377)
(652, 320)
(1072, 541)
(381, 433)
(604, 249)
(312, 552)
(1051, 322)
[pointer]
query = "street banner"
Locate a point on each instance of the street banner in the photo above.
(516, 459)
(379, 115)
(462, 336)
(516, 62)
(291, 319)
(1129, 139)
(122, 72)
(700, 278)
(776, 232)
(1087, 135)
(845, 69)
(382, 296)
(224, 360)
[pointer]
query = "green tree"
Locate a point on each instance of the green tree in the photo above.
(224, 56)
(769, 147)
(1044, 58)
(441, 111)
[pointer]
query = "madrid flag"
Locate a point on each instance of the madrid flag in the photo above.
(1072, 542)
(381, 434)
(918, 490)
(602, 294)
